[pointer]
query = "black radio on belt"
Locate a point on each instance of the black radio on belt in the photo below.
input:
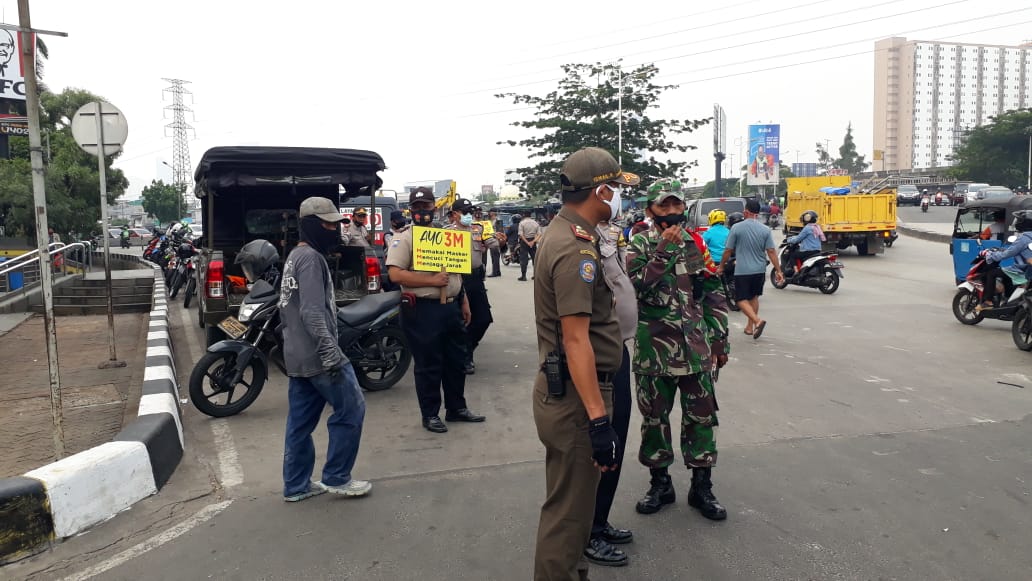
(556, 371)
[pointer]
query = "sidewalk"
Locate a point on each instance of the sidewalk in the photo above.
(933, 231)
(95, 401)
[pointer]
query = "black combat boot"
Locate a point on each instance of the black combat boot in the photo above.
(700, 496)
(661, 491)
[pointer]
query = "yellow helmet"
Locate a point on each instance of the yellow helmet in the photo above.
(717, 217)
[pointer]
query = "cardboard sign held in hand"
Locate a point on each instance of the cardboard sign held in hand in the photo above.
(440, 250)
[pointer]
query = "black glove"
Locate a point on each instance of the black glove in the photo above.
(604, 442)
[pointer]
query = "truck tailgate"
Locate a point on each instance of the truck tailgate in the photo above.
(848, 213)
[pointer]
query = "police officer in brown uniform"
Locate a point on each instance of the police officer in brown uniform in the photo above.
(436, 332)
(462, 218)
(580, 349)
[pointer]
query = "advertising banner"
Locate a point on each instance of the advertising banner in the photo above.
(437, 248)
(12, 75)
(764, 155)
(14, 124)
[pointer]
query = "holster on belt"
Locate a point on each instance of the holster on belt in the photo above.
(408, 300)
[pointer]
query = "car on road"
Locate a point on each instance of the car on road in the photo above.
(908, 194)
(969, 190)
(249, 193)
(698, 210)
(994, 192)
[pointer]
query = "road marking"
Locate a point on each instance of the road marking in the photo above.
(232, 473)
(895, 348)
(202, 516)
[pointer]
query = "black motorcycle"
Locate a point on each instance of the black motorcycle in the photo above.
(820, 271)
(728, 280)
(183, 271)
(368, 332)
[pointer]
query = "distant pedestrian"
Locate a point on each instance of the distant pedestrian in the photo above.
(318, 371)
(356, 233)
(493, 241)
(528, 231)
(752, 245)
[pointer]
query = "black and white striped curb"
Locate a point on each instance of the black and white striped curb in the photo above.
(66, 497)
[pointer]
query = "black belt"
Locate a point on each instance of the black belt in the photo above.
(435, 299)
(605, 377)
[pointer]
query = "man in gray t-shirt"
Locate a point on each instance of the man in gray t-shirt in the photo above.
(318, 371)
(752, 245)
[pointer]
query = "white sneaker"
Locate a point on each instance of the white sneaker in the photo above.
(353, 488)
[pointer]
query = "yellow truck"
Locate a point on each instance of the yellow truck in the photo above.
(864, 220)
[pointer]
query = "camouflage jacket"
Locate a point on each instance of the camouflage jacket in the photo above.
(677, 334)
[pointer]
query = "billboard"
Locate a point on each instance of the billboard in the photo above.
(12, 76)
(719, 129)
(764, 155)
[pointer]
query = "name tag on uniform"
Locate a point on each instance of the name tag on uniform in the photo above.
(680, 269)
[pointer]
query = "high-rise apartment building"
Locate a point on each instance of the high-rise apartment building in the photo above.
(928, 94)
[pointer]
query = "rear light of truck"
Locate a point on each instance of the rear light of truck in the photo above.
(214, 284)
(372, 270)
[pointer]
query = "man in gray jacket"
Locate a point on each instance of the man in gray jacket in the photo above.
(319, 372)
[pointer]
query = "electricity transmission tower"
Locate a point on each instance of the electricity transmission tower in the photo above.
(181, 168)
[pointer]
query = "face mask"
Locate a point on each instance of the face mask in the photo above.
(312, 233)
(397, 225)
(665, 222)
(466, 220)
(613, 203)
(422, 218)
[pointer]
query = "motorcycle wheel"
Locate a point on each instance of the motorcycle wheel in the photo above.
(388, 346)
(177, 283)
(774, 281)
(731, 302)
(191, 288)
(217, 401)
(829, 281)
(964, 303)
(1021, 330)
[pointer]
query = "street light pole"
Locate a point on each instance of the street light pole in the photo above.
(1028, 179)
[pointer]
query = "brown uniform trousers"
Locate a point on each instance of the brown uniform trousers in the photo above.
(571, 479)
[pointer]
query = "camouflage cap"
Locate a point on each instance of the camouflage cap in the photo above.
(593, 166)
(665, 188)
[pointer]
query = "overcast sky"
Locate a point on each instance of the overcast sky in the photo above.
(415, 81)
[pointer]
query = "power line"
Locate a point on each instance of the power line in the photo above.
(791, 65)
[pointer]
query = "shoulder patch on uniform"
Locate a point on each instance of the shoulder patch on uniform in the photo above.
(588, 270)
(395, 243)
(590, 253)
(582, 233)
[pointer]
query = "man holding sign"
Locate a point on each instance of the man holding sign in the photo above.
(428, 264)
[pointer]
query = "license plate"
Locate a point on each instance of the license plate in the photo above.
(837, 265)
(233, 328)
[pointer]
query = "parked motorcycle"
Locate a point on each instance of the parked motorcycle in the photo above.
(182, 272)
(822, 271)
(368, 332)
(972, 294)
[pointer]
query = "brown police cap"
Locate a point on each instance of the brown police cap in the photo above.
(593, 166)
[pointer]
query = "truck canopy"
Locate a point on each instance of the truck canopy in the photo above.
(226, 168)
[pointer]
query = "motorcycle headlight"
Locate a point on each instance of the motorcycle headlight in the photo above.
(246, 311)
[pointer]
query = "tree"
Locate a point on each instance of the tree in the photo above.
(72, 180)
(848, 158)
(583, 111)
(996, 153)
(824, 161)
(162, 201)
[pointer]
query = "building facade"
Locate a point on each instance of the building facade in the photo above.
(927, 95)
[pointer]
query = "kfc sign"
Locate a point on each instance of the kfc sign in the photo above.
(12, 74)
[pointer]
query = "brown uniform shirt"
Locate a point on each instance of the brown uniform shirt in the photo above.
(568, 281)
(400, 254)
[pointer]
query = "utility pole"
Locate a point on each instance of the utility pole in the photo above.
(181, 168)
(39, 198)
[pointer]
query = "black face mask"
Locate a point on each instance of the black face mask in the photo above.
(397, 225)
(665, 222)
(313, 234)
(422, 217)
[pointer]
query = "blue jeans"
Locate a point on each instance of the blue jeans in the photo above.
(308, 397)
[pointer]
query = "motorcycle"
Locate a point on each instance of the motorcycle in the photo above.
(821, 271)
(511, 255)
(925, 201)
(972, 295)
(182, 271)
(728, 279)
(1021, 328)
(123, 241)
(368, 332)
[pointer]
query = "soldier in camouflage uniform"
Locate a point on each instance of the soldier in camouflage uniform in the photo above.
(681, 338)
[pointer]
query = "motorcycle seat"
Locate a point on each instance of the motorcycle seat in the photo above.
(368, 308)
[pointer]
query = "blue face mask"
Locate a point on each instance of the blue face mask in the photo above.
(466, 220)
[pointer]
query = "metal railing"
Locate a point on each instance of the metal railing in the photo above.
(71, 259)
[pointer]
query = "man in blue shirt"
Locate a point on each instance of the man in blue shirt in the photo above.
(752, 245)
(809, 241)
(1020, 248)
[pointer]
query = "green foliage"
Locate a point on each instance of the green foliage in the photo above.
(162, 201)
(583, 111)
(849, 159)
(996, 153)
(824, 160)
(72, 179)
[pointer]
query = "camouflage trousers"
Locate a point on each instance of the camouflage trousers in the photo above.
(656, 395)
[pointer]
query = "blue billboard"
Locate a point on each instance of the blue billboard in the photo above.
(764, 158)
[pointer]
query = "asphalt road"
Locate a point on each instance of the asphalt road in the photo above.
(865, 436)
(934, 215)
